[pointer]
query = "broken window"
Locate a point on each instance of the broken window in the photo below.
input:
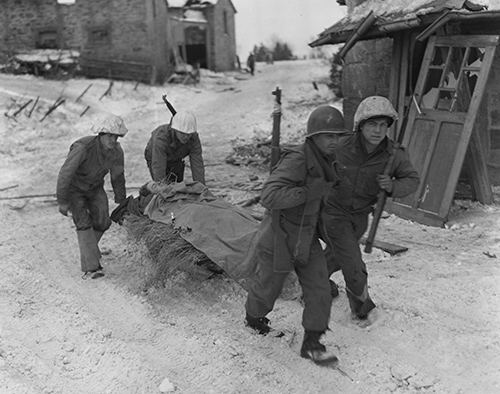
(452, 77)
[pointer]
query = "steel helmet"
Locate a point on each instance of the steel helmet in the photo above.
(325, 119)
(110, 124)
(374, 107)
(184, 122)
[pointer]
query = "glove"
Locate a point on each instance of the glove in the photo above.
(63, 209)
(315, 189)
(385, 183)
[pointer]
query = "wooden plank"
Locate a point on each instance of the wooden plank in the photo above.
(478, 169)
(403, 79)
(394, 86)
(468, 126)
(426, 161)
(472, 40)
(419, 216)
(388, 247)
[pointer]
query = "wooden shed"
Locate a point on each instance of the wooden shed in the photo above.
(437, 62)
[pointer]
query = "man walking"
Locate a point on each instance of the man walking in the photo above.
(288, 238)
(362, 159)
(80, 187)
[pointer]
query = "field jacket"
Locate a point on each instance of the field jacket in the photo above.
(86, 166)
(294, 207)
(358, 187)
(163, 148)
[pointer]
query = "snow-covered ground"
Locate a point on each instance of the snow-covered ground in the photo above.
(436, 328)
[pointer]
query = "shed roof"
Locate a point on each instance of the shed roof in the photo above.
(394, 15)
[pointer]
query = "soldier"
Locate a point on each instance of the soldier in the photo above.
(80, 187)
(362, 159)
(251, 63)
(169, 144)
(288, 238)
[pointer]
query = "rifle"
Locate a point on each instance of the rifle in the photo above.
(379, 207)
(382, 194)
(275, 140)
(169, 105)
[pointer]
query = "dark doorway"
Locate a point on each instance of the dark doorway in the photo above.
(197, 54)
(196, 46)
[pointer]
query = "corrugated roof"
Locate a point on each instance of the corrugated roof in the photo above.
(392, 15)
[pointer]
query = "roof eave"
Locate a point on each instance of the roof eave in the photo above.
(386, 29)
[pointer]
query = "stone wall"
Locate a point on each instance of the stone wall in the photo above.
(114, 29)
(366, 72)
(222, 36)
(22, 22)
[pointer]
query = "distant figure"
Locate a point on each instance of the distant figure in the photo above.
(169, 144)
(238, 63)
(251, 63)
(269, 58)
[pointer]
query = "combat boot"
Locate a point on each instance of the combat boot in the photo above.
(334, 289)
(259, 324)
(315, 351)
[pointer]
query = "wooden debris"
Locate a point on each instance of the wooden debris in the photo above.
(108, 90)
(8, 187)
(81, 95)
(388, 247)
(22, 107)
(34, 105)
(53, 108)
(85, 110)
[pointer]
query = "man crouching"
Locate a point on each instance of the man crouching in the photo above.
(80, 187)
(288, 238)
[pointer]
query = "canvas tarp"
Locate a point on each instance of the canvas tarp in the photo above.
(223, 232)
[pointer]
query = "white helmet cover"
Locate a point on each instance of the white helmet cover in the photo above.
(372, 107)
(110, 124)
(184, 122)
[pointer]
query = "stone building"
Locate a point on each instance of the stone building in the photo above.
(44, 24)
(125, 39)
(437, 61)
(204, 32)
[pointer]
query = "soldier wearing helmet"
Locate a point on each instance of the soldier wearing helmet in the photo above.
(169, 144)
(80, 187)
(362, 159)
(288, 238)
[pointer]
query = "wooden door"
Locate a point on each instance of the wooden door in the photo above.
(443, 110)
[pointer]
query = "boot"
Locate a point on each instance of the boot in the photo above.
(360, 305)
(89, 251)
(334, 289)
(259, 324)
(315, 351)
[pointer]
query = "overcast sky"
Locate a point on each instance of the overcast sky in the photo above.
(295, 22)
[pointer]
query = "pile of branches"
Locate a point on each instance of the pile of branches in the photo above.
(48, 63)
(168, 251)
(256, 153)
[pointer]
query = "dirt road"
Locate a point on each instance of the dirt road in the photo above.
(436, 328)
